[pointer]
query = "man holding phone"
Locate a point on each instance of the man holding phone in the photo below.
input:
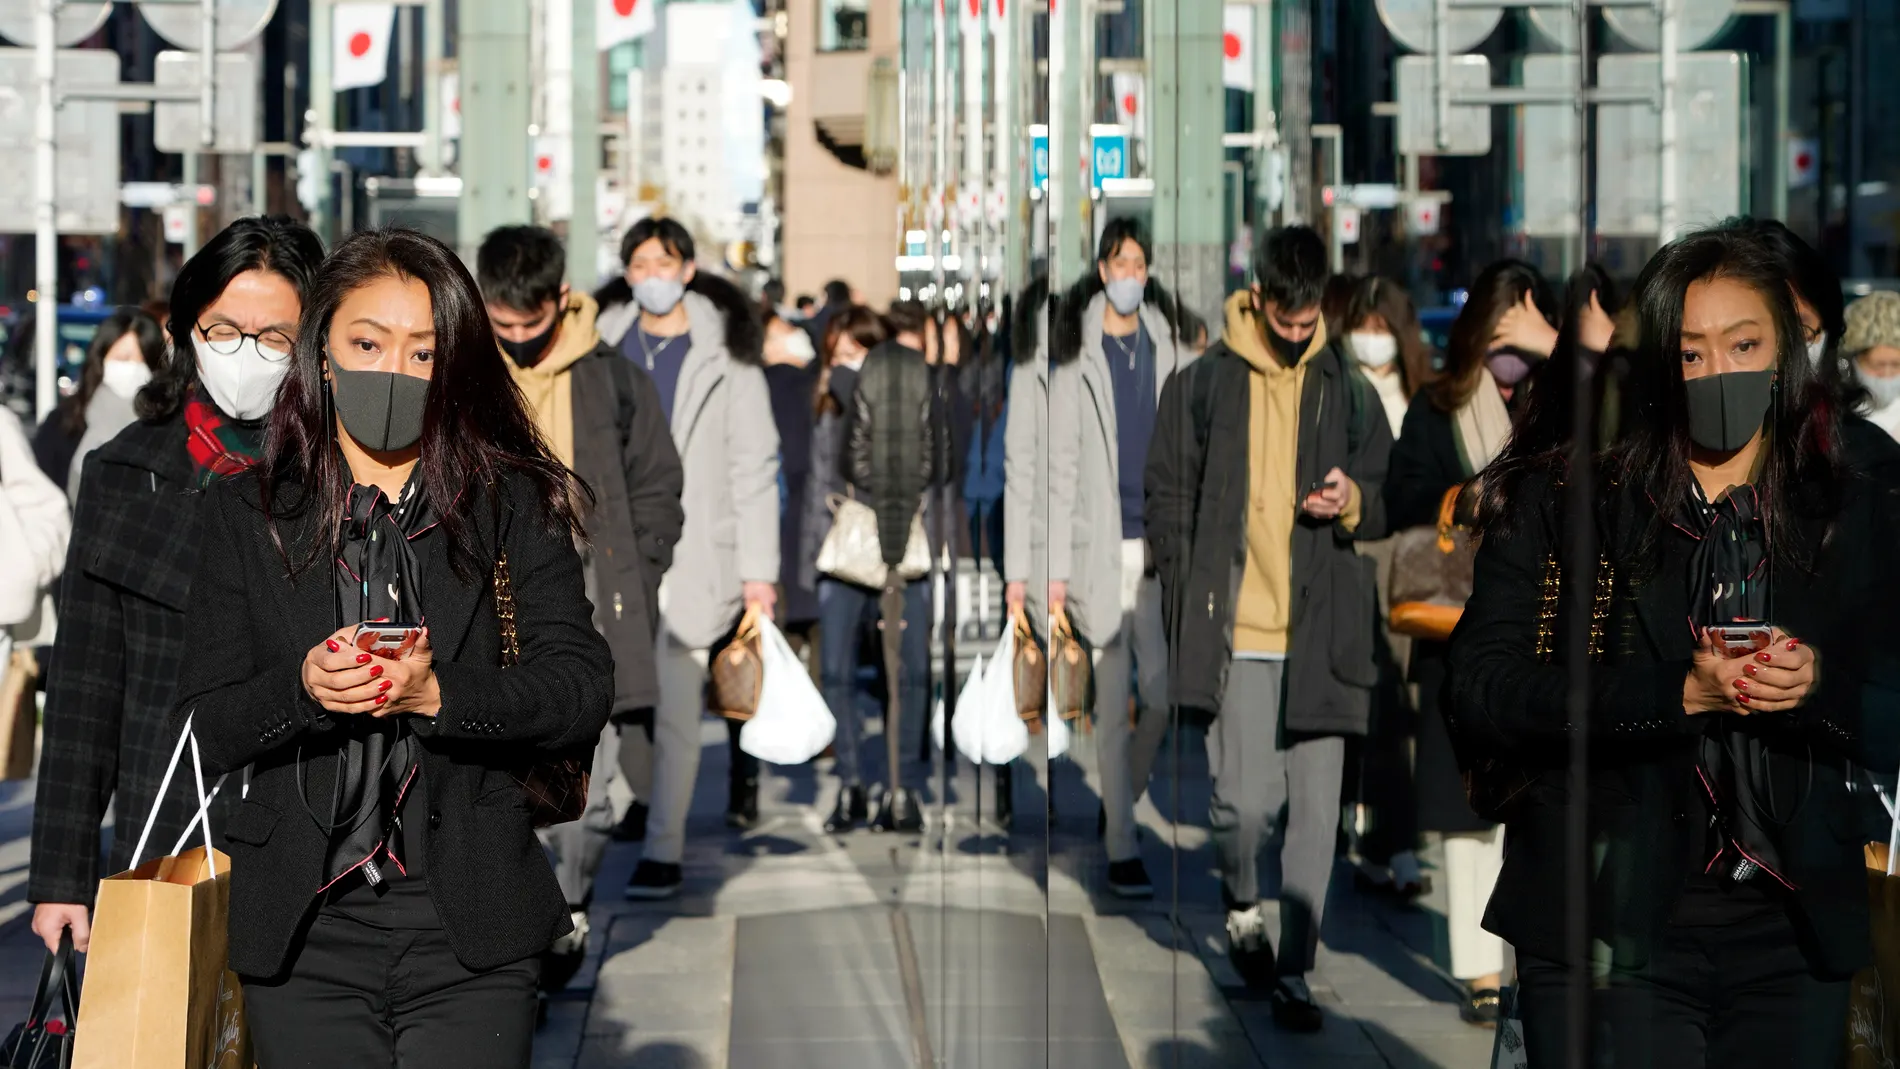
(1270, 450)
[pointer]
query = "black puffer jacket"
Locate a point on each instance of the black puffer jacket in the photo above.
(892, 444)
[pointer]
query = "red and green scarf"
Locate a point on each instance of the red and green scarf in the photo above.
(218, 446)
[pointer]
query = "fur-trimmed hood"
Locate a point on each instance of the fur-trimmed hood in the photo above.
(744, 334)
(1027, 325)
(1066, 345)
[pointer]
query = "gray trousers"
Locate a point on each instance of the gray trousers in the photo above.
(1126, 752)
(622, 771)
(1265, 784)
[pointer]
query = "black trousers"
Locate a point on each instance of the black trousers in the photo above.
(1732, 996)
(360, 995)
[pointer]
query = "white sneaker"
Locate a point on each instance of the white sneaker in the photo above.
(1246, 928)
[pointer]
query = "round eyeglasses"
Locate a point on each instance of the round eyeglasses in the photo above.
(225, 339)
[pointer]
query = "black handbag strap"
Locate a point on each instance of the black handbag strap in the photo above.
(56, 982)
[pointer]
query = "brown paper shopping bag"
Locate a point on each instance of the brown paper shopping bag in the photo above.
(1873, 1008)
(158, 993)
(19, 713)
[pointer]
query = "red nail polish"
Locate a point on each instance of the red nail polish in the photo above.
(381, 698)
(363, 658)
(384, 685)
(1750, 669)
(1741, 684)
(1742, 697)
(375, 670)
(330, 642)
(1763, 658)
(1793, 642)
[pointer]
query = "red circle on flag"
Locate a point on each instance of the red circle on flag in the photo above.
(1803, 161)
(624, 8)
(1129, 102)
(544, 163)
(1230, 44)
(359, 44)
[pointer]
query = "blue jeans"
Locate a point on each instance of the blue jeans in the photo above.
(845, 612)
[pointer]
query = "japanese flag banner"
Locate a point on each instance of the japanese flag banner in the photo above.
(1237, 59)
(359, 53)
(619, 21)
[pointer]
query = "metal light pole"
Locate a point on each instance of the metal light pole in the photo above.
(46, 221)
(583, 228)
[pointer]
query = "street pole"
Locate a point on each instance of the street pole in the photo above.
(493, 60)
(971, 196)
(1265, 121)
(1010, 126)
(322, 117)
(46, 219)
(432, 48)
(1668, 205)
(941, 116)
(583, 227)
(1184, 48)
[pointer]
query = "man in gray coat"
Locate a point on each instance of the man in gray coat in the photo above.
(700, 340)
(1113, 347)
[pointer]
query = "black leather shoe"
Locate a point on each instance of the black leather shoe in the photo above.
(632, 827)
(742, 807)
(653, 881)
(1129, 879)
(1481, 1007)
(849, 812)
(1293, 1006)
(899, 813)
(1005, 801)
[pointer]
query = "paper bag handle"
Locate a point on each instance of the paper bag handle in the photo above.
(1893, 830)
(204, 801)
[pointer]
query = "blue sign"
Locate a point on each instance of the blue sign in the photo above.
(1039, 157)
(1110, 157)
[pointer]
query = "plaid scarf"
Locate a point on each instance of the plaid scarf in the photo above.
(218, 446)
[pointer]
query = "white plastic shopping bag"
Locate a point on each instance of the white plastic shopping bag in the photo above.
(793, 724)
(972, 683)
(1004, 735)
(1059, 732)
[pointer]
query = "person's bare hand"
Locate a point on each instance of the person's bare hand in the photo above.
(1331, 499)
(1524, 328)
(1710, 686)
(1058, 596)
(761, 596)
(52, 918)
(344, 679)
(1595, 328)
(1780, 677)
(1015, 594)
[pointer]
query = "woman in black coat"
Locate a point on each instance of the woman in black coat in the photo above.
(388, 895)
(134, 551)
(1726, 904)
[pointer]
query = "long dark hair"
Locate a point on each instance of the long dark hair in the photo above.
(1544, 423)
(1815, 282)
(865, 327)
(1495, 290)
(1375, 296)
(1800, 467)
(72, 411)
(274, 243)
(475, 429)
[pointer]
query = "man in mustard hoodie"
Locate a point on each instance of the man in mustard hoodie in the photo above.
(1266, 464)
(602, 415)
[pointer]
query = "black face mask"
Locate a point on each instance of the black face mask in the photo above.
(528, 353)
(382, 410)
(1288, 350)
(1726, 410)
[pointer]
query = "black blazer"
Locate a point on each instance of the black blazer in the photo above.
(114, 675)
(1502, 699)
(252, 626)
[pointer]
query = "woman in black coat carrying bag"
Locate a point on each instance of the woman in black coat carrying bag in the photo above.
(1743, 575)
(388, 895)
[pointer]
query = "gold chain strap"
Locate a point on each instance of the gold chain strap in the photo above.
(505, 612)
(1599, 608)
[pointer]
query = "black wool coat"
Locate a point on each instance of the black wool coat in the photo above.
(1503, 699)
(1196, 486)
(114, 676)
(486, 871)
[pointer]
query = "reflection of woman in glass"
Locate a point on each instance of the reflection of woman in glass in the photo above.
(385, 832)
(133, 554)
(1726, 901)
(127, 350)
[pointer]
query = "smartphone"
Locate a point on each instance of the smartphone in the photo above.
(1741, 639)
(388, 641)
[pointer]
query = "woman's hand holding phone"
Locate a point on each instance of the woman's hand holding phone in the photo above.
(344, 679)
(1773, 680)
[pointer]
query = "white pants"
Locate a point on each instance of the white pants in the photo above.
(682, 674)
(1472, 861)
(1125, 751)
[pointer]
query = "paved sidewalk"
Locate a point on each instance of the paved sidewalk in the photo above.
(964, 946)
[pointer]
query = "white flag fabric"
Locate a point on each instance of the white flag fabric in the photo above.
(360, 44)
(1237, 58)
(1130, 107)
(619, 21)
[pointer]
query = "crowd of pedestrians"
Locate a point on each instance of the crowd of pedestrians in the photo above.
(583, 500)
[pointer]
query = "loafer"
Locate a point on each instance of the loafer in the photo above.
(1293, 1005)
(1129, 879)
(653, 881)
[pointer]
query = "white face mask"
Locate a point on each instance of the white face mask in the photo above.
(1374, 348)
(1885, 388)
(1817, 348)
(125, 377)
(243, 384)
(798, 346)
(658, 296)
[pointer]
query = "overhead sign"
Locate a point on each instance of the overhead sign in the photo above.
(1109, 155)
(76, 21)
(1698, 22)
(1414, 24)
(1039, 157)
(175, 124)
(85, 138)
(164, 194)
(1469, 130)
